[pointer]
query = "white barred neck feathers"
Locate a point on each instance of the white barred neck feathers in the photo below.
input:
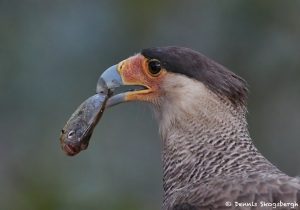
(208, 155)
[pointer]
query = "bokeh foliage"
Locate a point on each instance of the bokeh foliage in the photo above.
(52, 52)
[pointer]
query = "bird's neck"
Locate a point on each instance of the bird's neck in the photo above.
(210, 143)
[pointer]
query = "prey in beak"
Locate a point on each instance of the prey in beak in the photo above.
(141, 75)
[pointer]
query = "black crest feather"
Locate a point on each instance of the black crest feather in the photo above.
(195, 65)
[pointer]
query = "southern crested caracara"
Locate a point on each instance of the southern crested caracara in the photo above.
(209, 159)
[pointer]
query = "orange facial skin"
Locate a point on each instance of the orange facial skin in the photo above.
(135, 71)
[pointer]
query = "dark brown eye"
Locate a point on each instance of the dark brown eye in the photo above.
(154, 66)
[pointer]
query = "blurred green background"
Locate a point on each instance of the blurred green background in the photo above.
(52, 53)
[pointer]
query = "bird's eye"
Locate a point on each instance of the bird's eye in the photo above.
(154, 66)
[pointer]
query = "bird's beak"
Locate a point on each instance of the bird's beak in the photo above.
(126, 73)
(109, 80)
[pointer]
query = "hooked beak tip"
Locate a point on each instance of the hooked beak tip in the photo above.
(109, 80)
(101, 86)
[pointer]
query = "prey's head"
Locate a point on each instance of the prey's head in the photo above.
(173, 77)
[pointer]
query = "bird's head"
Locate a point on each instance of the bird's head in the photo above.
(174, 79)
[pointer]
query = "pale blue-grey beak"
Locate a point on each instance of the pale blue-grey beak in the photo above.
(108, 81)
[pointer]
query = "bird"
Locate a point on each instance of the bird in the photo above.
(208, 157)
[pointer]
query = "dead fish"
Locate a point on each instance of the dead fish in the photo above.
(76, 134)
